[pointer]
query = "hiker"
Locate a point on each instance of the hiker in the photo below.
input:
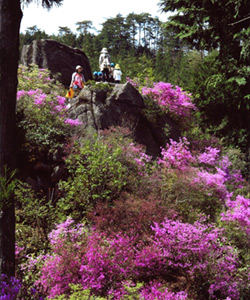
(111, 73)
(77, 81)
(95, 76)
(99, 78)
(117, 73)
(104, 64)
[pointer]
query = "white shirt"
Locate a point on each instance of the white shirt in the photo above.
(117, 74)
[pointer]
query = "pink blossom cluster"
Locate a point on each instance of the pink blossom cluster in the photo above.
(134, 82)
(29, 93)
(176, 155)
(208, 181)
(209, 171)
(104, 263)
(109, 262)
(170, 99)
(238, 211)
(66, 232)
(196, 250)
(137, 153)
(56, 104)
(210, 156)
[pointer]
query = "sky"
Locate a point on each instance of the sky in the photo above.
(73, 11)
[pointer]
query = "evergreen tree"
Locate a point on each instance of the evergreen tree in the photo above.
(31, 34)
(224, 95)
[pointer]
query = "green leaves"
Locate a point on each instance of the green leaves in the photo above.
(7, 186)
(238, 80)
(96, 174)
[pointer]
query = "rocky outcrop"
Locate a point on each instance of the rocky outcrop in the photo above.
(57, 57)
(105, 105)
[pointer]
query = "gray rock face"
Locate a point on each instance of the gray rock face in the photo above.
(56, 57)
(121, 105)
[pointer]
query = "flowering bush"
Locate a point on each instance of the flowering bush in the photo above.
(108, 262)
(172, 100)
(41, 111)
(9, 288)
(199, 253)
(177, 155)
(238, 211)
(207, 170)
(141, 239)
(61, 268)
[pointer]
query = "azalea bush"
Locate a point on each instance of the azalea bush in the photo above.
(199, 253)
(41, 111)
(172, 100)
(238, 212)
(132, 215)
(203, 179)
(9, 287)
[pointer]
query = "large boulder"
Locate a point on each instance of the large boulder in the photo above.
(105, 105)
(57, 57)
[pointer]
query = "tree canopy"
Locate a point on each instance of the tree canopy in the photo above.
(222, 26)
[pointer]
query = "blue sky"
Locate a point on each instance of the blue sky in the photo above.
(73, 11)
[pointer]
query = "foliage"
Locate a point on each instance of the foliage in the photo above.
(7, 187)
(201, 180)
(223, 90)
(41, 112)
(9, 287)
(103, 263)
(35, 216)
(132, 293)
(86, 184)
(77, 293)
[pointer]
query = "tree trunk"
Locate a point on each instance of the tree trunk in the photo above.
(10, 18)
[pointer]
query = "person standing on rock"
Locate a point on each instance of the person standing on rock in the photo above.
(77, 81)
(117, 74)
(104, 64)
(111, 73)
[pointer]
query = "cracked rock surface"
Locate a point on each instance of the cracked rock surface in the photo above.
(121, 105)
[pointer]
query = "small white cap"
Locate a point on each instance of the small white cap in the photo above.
(78, 67)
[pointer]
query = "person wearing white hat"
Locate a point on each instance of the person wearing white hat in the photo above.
(77, 81)
(104, 64)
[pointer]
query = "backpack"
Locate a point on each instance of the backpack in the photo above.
(106, 63)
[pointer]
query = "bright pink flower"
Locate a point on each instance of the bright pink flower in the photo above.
(72, 122)
(20, 94)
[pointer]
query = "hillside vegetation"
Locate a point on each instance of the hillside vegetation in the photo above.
(96, 216)
(122, 225)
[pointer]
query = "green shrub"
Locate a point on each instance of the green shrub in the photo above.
(78, 293)
(96, 174)
(35, 217)
(39, 129)
(32, 78)
(7, 187)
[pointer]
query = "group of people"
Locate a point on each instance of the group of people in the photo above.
(108, 72)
